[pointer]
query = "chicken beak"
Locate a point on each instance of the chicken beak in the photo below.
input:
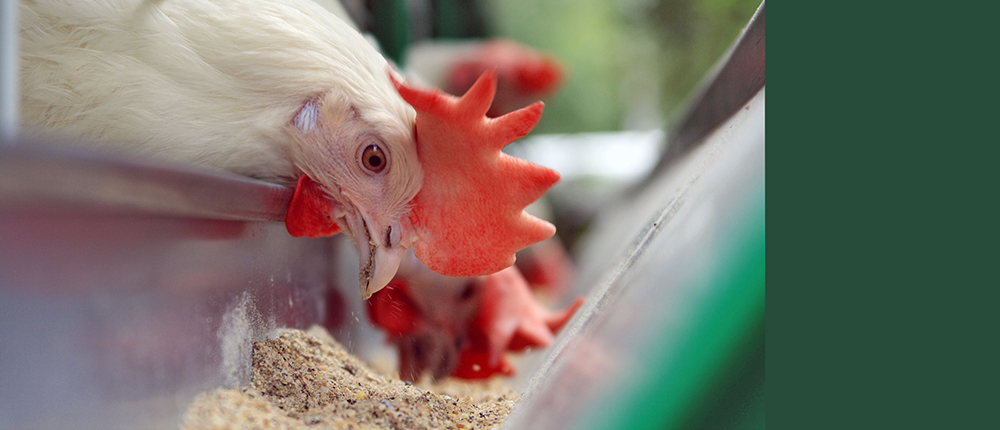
(380, 250)
(385, 267)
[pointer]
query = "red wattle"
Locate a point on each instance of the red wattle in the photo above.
(310, 213)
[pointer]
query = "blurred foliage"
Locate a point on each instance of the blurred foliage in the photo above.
(630, 63)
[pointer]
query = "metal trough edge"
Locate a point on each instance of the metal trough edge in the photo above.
(33, 173)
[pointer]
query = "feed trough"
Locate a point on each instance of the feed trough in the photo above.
(127, 287)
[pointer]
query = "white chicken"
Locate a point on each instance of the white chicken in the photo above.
(286, 91)
(267, 89)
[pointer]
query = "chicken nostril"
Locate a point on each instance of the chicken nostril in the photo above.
(388, 237)
(468, 291)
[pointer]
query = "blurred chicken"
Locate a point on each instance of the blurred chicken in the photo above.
(523, 74)
(462, 327)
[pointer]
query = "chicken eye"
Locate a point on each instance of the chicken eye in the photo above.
(373, 159)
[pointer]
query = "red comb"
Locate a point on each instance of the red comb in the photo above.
(510, 319)
(469, 213)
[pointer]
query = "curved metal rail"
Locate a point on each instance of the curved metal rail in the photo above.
(33, 174)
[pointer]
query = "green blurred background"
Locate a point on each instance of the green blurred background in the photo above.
(630, 63)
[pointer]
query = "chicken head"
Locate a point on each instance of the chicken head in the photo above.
(453, 195)
(360, 173)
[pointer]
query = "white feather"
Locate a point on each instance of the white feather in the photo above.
(306, 119)
(215, 83)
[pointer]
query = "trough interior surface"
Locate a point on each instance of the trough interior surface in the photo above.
(115, 312)
(674, 277)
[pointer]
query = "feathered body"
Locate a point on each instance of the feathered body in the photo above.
(273, 89)
(215, 83)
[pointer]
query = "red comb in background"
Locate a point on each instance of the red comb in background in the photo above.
(511, 320)
(524, 74)
(469, 214)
